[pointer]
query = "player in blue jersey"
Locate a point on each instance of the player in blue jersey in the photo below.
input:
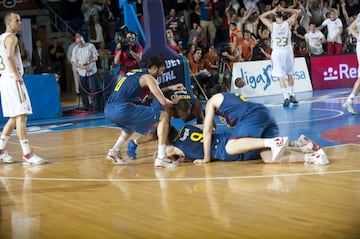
(252, 126)
(187, 145)
(186, 106)
(125, 109)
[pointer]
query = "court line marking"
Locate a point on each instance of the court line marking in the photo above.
(180, 179)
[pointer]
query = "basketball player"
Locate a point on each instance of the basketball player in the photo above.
(252, 126)
(354, 29)
(187, 145)
(14, 96)
(124, 109)
(282, 56)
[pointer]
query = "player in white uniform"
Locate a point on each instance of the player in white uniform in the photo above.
(14, 96)
(282, 56)
(354, 29)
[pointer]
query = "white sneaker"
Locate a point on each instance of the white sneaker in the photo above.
(350, 107)
(115, 157)
(165, 163)
(278, 147)
(32, 158)
(319, 157)
(6, 158)
(307, 145)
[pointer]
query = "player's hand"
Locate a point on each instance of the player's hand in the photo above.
(178, 86)
(200, 161)
(169, 102)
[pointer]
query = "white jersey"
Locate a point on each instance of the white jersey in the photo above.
(315, 42)
(332, 29)
(281, 36)
(282, 56)
(14, 96)
(358, 42)
(4, 63)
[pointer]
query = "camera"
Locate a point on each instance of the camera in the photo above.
(120, 36)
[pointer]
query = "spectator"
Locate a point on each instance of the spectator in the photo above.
(171, 42)
(84, 57)
(334, 29)
(195, 37)
(236, 36)
(25, 57)
(128, 54)
(206, 21)
(315, 40)
(69, 52)
(183, 31)
(247, 45)
(57, 56)
(95, 31)
(172, 22)
(40, 58)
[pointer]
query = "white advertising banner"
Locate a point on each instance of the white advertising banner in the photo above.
(259, 82)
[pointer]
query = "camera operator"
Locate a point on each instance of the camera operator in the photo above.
(127, 54)
(227, 59)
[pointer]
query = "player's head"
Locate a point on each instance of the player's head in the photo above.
(12, 22)
(217, 89)
(183, 108)
(279, 16)
(239, 82)
(156, 66)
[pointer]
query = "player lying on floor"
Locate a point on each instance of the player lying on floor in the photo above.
(187, 145)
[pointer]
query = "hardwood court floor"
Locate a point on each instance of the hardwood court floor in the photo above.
(82, 195)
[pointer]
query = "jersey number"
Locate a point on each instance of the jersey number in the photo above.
(2, 65)
(281, 41)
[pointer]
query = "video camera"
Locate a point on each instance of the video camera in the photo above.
(120, 36)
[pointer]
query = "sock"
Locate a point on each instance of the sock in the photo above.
(3, 141)
(135, 141)
(268, 143)
(25, 146)
(161, 151)
(351, 97)
(291, 90)
(285, 93)
(118, 143)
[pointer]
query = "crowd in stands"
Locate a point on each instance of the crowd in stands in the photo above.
(215, 34)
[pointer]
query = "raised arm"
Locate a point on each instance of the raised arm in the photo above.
(264, 18)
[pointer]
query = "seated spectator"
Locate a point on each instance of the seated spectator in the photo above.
(195, 37)
(262, 50)
(171, 42)
(198, 69)
(247, 45)
(315, 40)
(213, 61)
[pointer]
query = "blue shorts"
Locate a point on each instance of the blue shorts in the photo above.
(257, 124)
(132, 117)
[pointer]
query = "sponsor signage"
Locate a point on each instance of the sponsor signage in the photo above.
(330, 72)
(17, 4)
(259, 82)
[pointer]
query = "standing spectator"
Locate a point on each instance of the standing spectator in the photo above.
(57, 56)
(95, 31)
(124, 109)
(183, 31)
(334, 30)
(172, 22)
(14, 96)
(315, 40)
(354, 29)
(282, 56)
(128, 55)
(196, 37)
(171, 42)
(206, 21)
(84, 57)
(40, 58)
(69, 52)
(25, 57)
(108, 21)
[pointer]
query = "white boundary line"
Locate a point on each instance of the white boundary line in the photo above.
(181, 179)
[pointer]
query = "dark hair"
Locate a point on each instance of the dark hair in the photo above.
(217, 89)
(279, 15)
(172, 134)
(183, 105)
(155, 61)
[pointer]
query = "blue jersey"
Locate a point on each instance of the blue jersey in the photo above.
(190, 140)
(235, 108)
(128, 88)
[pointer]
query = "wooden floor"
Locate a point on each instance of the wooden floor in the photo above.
(82, 195)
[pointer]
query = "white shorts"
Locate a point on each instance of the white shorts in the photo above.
(282, 62)
(14, 96)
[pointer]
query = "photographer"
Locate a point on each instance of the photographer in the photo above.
(127, 54)
(227, 59)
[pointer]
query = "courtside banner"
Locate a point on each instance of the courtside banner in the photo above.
(259, 82)
(7, 5)
(330, 72)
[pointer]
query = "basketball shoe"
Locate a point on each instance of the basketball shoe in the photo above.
(5, 157)
(165, 163)
(115, 157)
(131, 152)
(349, 107)
(319, 157)
(307, 145)
(31, 158)
(278, 146)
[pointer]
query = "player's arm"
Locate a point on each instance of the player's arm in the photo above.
(149, 81)
(352, 29)
(11, 42)
(264, 18)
